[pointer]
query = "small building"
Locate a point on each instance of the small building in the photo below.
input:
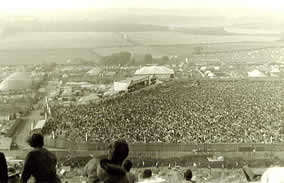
(36, 128)
(132, 83)
(121, 85)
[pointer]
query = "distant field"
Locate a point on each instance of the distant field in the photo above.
(251, 31)
(186, 50)
(39, 47)
(53, 40)
(172, 38)
(62, 55)
(44, 56)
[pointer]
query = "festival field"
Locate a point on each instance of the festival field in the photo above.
(180, 112)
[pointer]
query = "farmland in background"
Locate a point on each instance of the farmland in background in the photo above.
(54, 40)
(176, 38)
(187, 50)
(45, 56)
(41, 47)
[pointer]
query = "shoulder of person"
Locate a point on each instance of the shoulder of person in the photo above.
(2, 156)
(32, 153)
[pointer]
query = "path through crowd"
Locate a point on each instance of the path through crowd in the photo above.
(24, 129)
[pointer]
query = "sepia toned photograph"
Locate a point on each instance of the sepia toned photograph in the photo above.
(141, 91)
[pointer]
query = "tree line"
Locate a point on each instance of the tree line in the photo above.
(128, 59)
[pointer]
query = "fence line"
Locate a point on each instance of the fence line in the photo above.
(164, 147)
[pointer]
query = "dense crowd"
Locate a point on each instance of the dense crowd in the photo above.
(243, 56)
(214, 112)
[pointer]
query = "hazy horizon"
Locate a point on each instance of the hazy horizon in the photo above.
(228, 8)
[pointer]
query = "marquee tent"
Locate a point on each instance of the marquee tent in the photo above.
(159, 71)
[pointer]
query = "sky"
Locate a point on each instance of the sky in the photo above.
(21, 7)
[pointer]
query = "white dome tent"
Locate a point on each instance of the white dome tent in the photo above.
(16, 81)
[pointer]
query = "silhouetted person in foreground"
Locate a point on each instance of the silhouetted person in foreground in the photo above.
(108, 169)
(39, 163)
(3, 169)
(188, 176)
(127, 165)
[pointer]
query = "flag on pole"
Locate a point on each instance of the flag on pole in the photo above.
(53, 135)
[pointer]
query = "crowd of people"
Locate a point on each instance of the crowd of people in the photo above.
(238, 111)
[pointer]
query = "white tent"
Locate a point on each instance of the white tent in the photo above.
(256, 74)
(275, 70)
(211, 75)
(203, 68)
(95, 71)
(16, 81)
(159, 71)
(121, 85)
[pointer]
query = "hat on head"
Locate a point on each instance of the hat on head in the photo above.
(36, 140)
(118, 151)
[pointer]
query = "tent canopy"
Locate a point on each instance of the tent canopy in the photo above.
(154, 70)
(95, 71)
(256, 74)
(39, 125)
